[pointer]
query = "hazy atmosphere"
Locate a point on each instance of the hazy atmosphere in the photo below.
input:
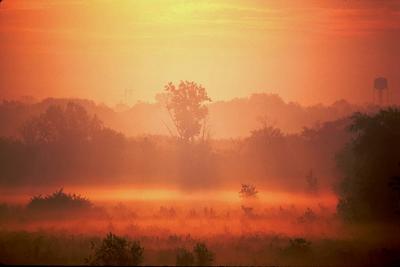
(199, 133)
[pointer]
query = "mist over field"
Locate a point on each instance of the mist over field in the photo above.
(268, 197)
(200, 133)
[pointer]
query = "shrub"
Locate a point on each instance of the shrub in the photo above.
(59, 201)
(116, 251)
(136, 253)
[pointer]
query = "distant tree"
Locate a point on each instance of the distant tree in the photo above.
(116, 251)
(184, 257)
(203, 256)
(268, 147)
(58, 124)
(248, 191)
(66, 141)
(185, 104)
(369, 163)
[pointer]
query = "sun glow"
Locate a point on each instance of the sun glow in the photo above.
(234, 48)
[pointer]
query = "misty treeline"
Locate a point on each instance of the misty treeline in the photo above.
(66, 143)
(363, 148)
(223, 121)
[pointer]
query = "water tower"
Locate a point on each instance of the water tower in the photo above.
(381, 91)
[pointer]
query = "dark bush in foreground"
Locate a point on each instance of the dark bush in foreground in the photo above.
(200, 256)
(60, 248)
(116, 251)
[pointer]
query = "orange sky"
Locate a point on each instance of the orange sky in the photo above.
(307, 51)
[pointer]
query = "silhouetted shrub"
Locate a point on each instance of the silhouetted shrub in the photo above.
(59, 201)
(136, 253)
(116, 251)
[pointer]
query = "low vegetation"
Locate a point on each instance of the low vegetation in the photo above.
(59, 201)
(116, 251)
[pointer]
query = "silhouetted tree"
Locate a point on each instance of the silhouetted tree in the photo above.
(269, 148)
(369, 163)
(116, 251)
(66, 141)
(185, 104)
(57, 124)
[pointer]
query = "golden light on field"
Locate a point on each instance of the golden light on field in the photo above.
(199, 132)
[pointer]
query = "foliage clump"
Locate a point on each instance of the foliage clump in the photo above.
(369, 189)
(71, 124)
(116, 251)
(186, 106)
(59, 201)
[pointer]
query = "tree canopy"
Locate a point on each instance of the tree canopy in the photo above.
(58, 124)
(186, 106)
(368, 190)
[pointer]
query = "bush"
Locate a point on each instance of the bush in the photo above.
(59, 201)
(116, 251)
(136, 253)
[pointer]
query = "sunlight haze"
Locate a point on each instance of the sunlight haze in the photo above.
(305, 51)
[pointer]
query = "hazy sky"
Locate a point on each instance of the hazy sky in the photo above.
(307, 51)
